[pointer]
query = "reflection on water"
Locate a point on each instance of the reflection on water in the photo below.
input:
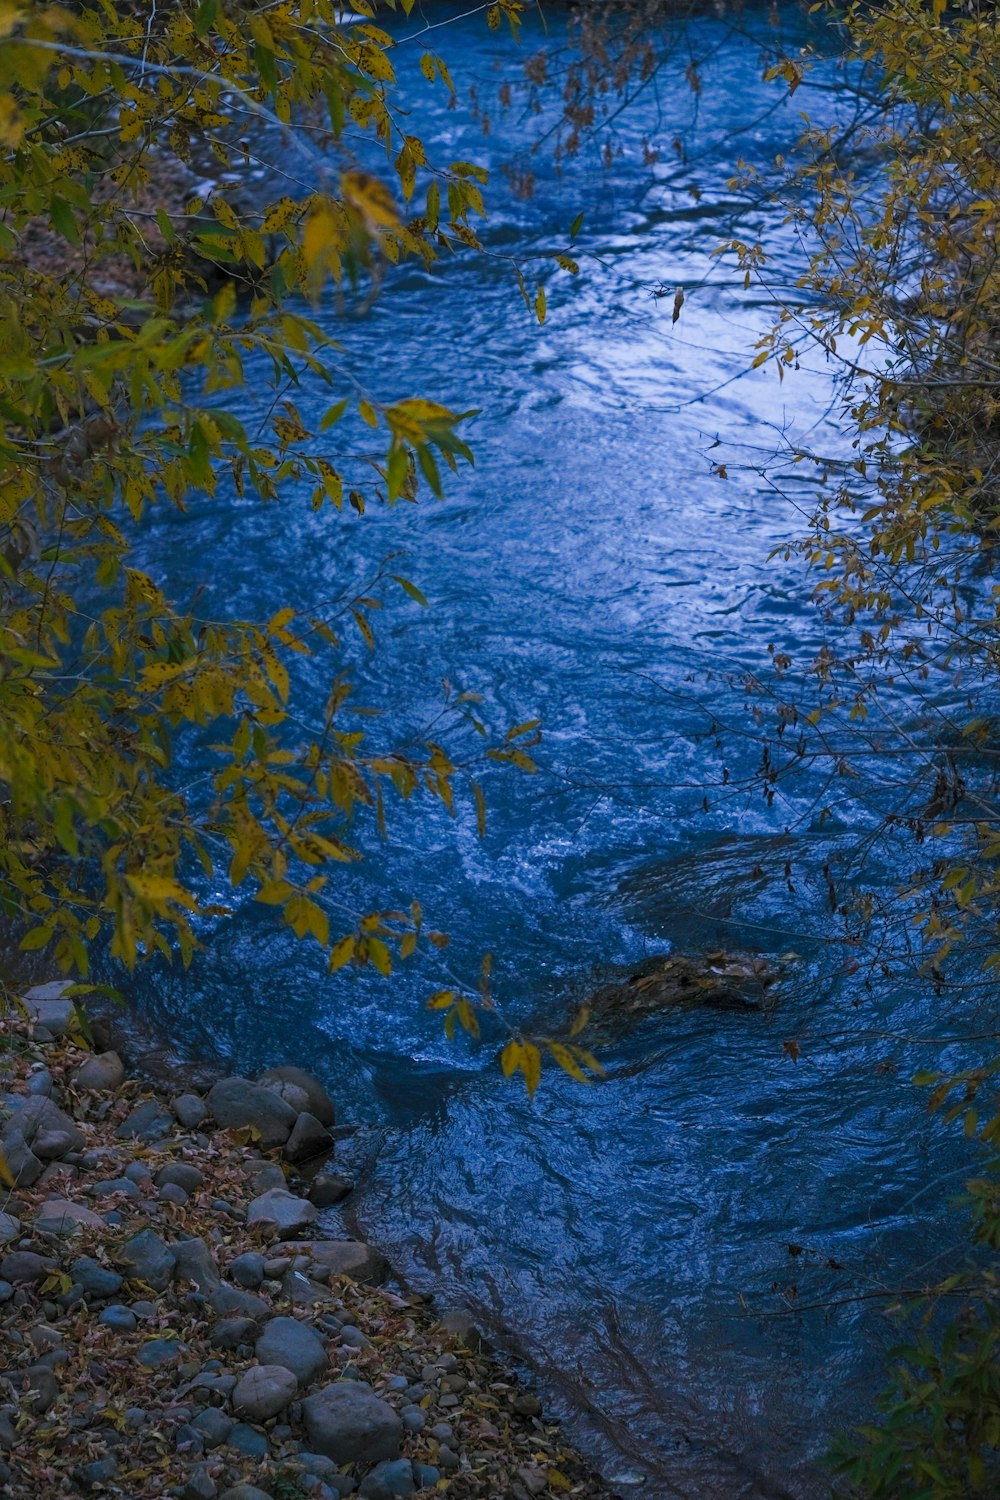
(632, 1238)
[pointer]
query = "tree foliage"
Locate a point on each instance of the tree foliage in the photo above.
(131, 321)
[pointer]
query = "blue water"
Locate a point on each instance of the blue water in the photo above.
(592, 571)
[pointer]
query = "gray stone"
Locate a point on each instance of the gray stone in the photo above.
(171, 1193)
(110, 1186)
(25, 1266)
(10, 1228)
(195, 1263)
(60, 1216)
(121, 1319)
(105, 1071)
(245, 1492)
(230, 1333)
(350, 1424)
(149, 1121)
(89, 1476)
(447, 1459)
(189, 1441)
(425, 1476)
(247, 1270)
(22, 1163)
(282, 1209)
(199, 1485)
(270, 1176)
(158, 1352)
(296, 1346)
(182, 1174)
(138, 1173)
(414, 1418)
(263, 1392)
(6, 1291)
(320, 1103)
(231, 1302)
(36, 1388)
(328, 1188)
(248, 1441)
(45, 1128)
(237, 1104)
(214, 1426)
(392, 1480)
(49, 1008)
(149, 1260)
(190, 1110)
(95, 1279)
(308, 1139)
(40, 1081)
(348, 1258)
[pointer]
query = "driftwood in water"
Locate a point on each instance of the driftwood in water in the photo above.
(713, 981)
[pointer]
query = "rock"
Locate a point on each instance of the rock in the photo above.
(245, 1492)
(320, 1103)
(40, 1081)
(414, 1418)
(10, 1228)
(248, 1441)
(50, 1008)
(149, 1121)
(237, 1104)
(263, 1392)
(171, 1193)
(231, 1333)
(199, 1485)
(182, 1174)
(149, 1260)
(527, 1405)
(22, 1266)
(137, 1172)
(194, 1262)
(282, 1209)
(60, 1216)
(45, 1128)
(295, 1346)
(158, 1352)
(36, 1388)
(231, 1302)
(190, 1110)
(6, 1291)
(350, 1424)
(425, 1476)
(108, 1187)
(308, 1139)
(328, 1188)
(105, 1071)
(214, 1426)
(22, 1163)
(247, 1270)
(121, 1319)
(98, 1473)
(348, 1258)
(269, 1176)
(389, 1481)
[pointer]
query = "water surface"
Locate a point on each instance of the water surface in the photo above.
(594, 571)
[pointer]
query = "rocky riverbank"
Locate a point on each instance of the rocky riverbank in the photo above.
(174, 1323)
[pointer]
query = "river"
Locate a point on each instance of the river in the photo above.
(678, 1251)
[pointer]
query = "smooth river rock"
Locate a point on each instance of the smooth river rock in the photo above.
(282, 1209)
(296, 1346)
(238, 1104)
(264, 1391)
(350, 1424)
(320, 1103)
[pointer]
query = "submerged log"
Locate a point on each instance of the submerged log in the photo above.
(735, 981)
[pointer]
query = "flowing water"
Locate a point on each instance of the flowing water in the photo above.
(632, 1238)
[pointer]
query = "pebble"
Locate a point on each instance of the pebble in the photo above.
(123, 1319)
(248, 1270)
(158, 1352)
(189, 1109)
(264, 1391)
(171, 1193)
(248, 1440)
